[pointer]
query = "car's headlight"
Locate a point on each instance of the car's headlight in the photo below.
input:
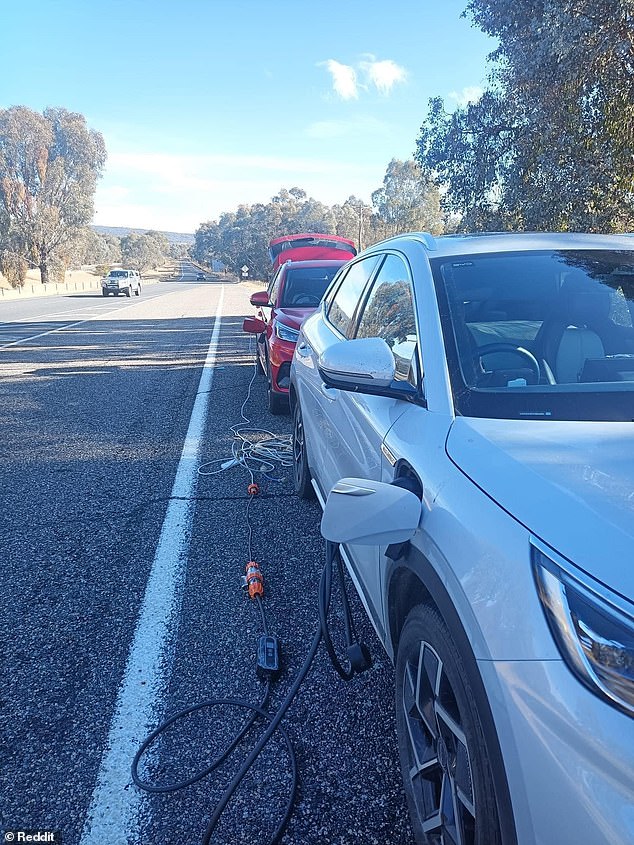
(285, 332)
(594, 632)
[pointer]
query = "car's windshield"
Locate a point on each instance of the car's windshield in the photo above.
(543, 335)
(118, 274)
(305, 286)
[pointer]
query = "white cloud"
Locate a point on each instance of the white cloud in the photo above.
(344, 79)
(470, 94)
(383, 74)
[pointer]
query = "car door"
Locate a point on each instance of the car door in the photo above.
(320, 409)
(386, 310)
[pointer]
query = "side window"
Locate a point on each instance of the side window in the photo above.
(344, 302)
(389, 313)
(275, 284)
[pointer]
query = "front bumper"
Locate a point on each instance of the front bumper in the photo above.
(569, 756)
(280, 356)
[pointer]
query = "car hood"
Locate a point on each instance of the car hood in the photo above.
(570, 483)
(294, 317)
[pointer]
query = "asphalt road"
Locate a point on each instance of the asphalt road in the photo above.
(121, 599)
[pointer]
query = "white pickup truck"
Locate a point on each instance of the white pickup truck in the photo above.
(121, 281)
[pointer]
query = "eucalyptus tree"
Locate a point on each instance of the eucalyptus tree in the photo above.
(408, 200)
(49, 166)
(142, 252)
(550, 144)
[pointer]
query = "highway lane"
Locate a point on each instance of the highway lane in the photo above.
(32, 316)
(94, 417)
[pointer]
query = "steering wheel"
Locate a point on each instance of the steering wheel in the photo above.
(490, 348)
(307, 299)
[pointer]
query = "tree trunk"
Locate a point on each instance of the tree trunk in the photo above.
(44, 274)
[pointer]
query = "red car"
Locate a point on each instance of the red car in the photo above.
(293, 294)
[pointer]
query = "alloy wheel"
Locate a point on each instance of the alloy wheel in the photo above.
(440, 769)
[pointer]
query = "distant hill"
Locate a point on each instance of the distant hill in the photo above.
(122, 231)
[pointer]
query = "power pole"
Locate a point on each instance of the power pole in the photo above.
(360, 211)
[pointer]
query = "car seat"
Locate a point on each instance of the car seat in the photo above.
(566, 339)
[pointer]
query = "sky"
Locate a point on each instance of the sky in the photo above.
(208, 104)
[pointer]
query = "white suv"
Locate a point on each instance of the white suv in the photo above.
(492, 377)
(122, 281)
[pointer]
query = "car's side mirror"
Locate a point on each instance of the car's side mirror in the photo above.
(366, 359)
(370, 513)
(261, 299)
(253, 325)
(364, 365)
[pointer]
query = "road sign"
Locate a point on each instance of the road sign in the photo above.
(244, 269)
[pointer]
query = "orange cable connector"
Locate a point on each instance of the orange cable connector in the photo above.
(255, 580)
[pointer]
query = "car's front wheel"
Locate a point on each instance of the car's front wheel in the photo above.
(104, 292)
(277, 404)
(444, 760)
(301, 472)
(128, 292)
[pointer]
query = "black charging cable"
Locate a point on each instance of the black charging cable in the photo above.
(358, 660)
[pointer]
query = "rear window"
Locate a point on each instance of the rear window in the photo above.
(317, 241)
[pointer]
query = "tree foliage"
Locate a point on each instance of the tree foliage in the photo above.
(142, 252)
(13, 267)
(355, 220)
(242, 237)
(409, 200)
(95, 248)
(549, 146)
(49, 166)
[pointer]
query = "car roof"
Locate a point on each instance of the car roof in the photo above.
(484, 242)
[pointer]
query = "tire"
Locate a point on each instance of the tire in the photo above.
(439, 730)
(276, 403)
(128, 292)
(258, 363)
(104, 293)
(301, 472)
(137, 292)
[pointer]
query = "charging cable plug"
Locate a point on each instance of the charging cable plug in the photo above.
(359, 657)
(254, 579)
(268, 659)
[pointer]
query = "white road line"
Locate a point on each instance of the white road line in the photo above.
(48, 317)
(66, 325)
(42, 334)
(114, 814)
